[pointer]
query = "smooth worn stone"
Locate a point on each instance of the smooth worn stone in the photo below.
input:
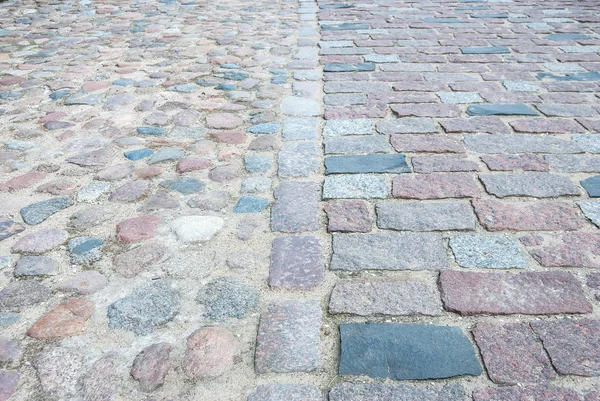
(41, 241)
(137, 228)
(579, 249)
(90, 217)
(418, 216)
(592, 186)
(224, 173)
(223, 121)
(574, 163)
(392, 392)
(285, 392)
(591, 210)
(151, 131)
(566, 36)
(525, 162)
(185, 186)
(93, 191)
(341, 67)
(22, 181)
(530, 293)
(114, 173)
(100, 157)
(188, 164)
(166, 155)
(406, 351)
(288, 337)
(361, 126)
(378, 163)
(147, 172)
(296, 208)
(407, 125)
(385, 298)
(214, 201)
(573, 345)
(485, 50)
(83, 98)
(66, 320)
(257, 163)
(59, 371)
(231, 137)
(539, 185)
(486, 251)
(519, 393)
(388, 251)
(296, 263)
(151, 366)
(85, 250)
(131, 191)
(160, 200)
(500, 110)
(434, 186)
(210, 353)
(85, 283)
(297, 129)
(18, 295)
(191, 229)
(512, 354)
(265, 128)
(102, 379)
(148, 306)
(38, 212)
(132, 262)
(10, 350)
(360, 186)
(251, 204)
(117, 102)
(496, 215)
(35, 266)
(348, 216)
(300, 107)
(299, 159)
(227, 297)
(8, 228)
(56, 187)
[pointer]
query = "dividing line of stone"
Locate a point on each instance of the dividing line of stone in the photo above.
(289, 333)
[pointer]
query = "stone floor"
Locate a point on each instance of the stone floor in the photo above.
(294, 200)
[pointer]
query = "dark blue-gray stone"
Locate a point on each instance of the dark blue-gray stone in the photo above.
(500, 110)
(497, 15)
(485, 50)
(84, 98)
(185, 186)
(10, 95)
(377, 163)
(576, 76)
(344, 27)
(59, 94)
(207, 81)
(338, 5)
(592, 186)
(264, 128)
(138, 154)
(443, 20)
(257, 163)
(123, 82)
(9, 227)
(85, 250)
(235, 76)
(8, 318)
(226, 87)
(341, 67)
(251, 204)
(166, 155)
(567, 36)
(278, 71)
(154, 131)
(38, 212)
(183, 88)
(227, 297)
(230, 66)
(279, 79)
(406, 351)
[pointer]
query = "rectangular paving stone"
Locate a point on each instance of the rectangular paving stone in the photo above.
(345, 99)
(296, 207)
(425, 216)
(344, 27)
(567, 36)
(512, 354)
(358, 145)
(459, 97)
(530, 293)
(578, 249)
(355, 186)
(427, 143)
(289, 392)
(434, 164)
(489, 124)
(377, 163)
(355, 87)
(297, 129)
(534, 184)
(426, 110)
(396, 392)
(450, 20)
(340, 67)
(388, 251)
(486, 251)
(497, 215)
(299, 159)
(566, 110)
(500, 110)
(496, 143)
(546, 126)
(434, 186)
(574, 163)
(485, 50)
(573, 345)
(540, 392)
(410, 125)
(296, 263)
(406, 351)
(398, 298)
(360, 126)
(288, 337)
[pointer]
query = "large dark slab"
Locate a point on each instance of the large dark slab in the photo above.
(485, 50)
(592, 186)
(377, 163)
(500, 110)
(406, 351)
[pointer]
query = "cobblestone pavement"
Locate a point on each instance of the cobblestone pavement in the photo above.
(289, 200)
